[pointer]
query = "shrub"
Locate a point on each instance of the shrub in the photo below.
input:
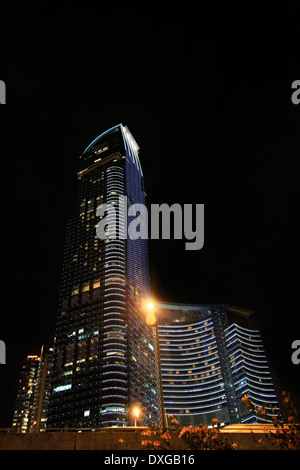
(194, 438)
(287, 435)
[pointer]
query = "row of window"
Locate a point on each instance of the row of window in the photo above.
(86, 287)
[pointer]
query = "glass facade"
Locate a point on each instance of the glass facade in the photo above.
(201, 380)
(104, 360)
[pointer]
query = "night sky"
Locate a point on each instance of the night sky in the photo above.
(211, 110)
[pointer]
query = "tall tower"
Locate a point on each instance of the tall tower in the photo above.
(32, 399)
(104, 360)
(24, 405)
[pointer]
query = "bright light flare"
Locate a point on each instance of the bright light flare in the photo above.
(149, 310)
(150, 317)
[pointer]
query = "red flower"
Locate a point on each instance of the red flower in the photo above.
(146, 443)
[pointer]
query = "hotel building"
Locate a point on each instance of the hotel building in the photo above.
(208, 363)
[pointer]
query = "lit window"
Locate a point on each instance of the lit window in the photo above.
(114, 353)
(75, 291)
(61, 388)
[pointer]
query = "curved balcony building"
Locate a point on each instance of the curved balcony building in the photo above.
(250, 371)
(208, 363)
(193, 382)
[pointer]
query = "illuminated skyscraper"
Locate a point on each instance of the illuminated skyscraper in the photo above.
(208, 363)
(33, 393)
(104, 350)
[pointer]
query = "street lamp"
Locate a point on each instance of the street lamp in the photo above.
(152, 319)
(136, 412)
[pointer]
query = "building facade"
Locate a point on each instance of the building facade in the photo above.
(33, 393)
(208, 364)
(250, 371)
(104, 357)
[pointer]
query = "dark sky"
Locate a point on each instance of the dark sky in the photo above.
(211, 110)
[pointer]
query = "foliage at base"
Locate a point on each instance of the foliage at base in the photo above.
(193, 438)
(287, 435)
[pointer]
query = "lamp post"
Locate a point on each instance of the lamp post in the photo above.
(136, 412)
(154, 319)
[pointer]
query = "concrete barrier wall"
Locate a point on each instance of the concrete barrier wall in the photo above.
(104, 441)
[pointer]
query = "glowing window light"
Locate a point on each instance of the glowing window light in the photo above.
(61, 388)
